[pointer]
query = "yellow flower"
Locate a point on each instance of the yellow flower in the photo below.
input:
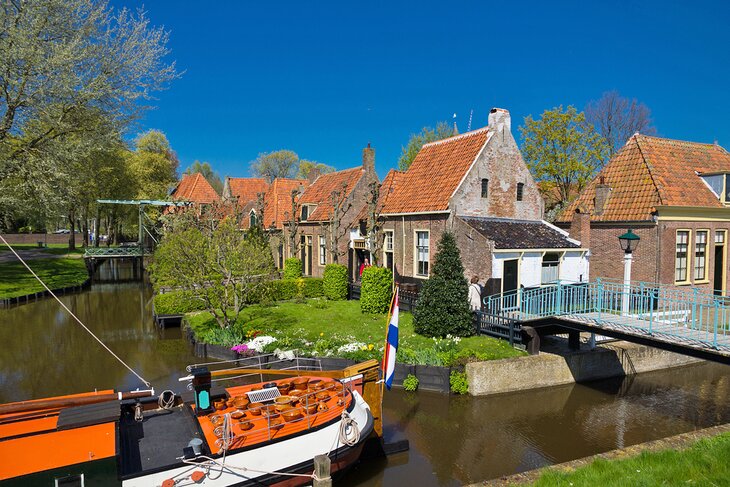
(363, 348)
(321, 334)
(370, 347)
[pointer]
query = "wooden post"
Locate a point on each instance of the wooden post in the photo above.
(322, 466)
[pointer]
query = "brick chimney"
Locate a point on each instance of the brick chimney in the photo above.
(313, 174)
(499, 119)
(368, 159)
(580, 227)
(603, 192)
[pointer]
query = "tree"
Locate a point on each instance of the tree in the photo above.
(208, 173)
(334, 230)
(617, 118)
(443, 303)
(213, 261)
(442, 131)
(306, 168)
(374, 225)
(154, 165)
(291, 222)
(59, 57)
(277, 164)
(561, 147)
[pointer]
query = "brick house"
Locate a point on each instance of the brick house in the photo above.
(328, 209)
(477, 186)
(675, 196)
(195, 189)
(277, 212)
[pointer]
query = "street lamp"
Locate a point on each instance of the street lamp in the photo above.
(629, 241)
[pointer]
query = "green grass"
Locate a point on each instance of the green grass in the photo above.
(320, 321)
(15, 280)
(703, 463)
(55, 249)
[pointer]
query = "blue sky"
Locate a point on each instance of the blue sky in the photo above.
(326, 78)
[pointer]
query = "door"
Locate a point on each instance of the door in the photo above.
(309, 256)
(718, 281)
(509, 275)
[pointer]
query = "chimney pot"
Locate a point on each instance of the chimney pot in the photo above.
(499, 118)
(603, 192)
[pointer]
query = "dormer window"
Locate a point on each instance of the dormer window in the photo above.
(305, 212)
(719, 183)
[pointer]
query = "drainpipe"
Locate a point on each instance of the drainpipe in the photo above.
(403, 233)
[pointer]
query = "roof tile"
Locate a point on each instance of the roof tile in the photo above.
(195, 188)
(320, 191)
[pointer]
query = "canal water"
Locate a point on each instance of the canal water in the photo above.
(454, 440)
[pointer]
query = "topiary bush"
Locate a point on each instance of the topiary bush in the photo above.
(335, 281)
(376, 290)
(292, 268)
(312, 287)
(443, 305)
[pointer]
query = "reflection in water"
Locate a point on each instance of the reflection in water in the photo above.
(456, 440)
(46, 353)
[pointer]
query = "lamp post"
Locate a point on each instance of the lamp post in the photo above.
(629, 241)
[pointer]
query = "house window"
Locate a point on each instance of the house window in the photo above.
(550, 268)
(281, 256)
(520, 189)
(700, 263)
(388, 249)
(322, 251)
(252, 219)
(680, 260)
(305, 212)
(485, 188)
(422, 254)
(720, 237)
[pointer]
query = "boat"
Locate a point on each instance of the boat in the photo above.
(266, 426)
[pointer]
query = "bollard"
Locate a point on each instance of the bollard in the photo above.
(322, 466)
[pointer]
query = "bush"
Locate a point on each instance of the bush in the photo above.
(335, 281)
(377, 290)
(458, 382)
(312, 287)
(304, 287)
(410, 383)
(177, 303)
(443, 304)
(292, 268)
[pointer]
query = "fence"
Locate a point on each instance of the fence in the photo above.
(406, 299)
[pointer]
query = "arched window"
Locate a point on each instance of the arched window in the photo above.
(252, 219)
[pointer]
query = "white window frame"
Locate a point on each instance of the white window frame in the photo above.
(416, 252)
(555, 264)
(322, 250)
(388, 234)
(703, 258)
(687, 258)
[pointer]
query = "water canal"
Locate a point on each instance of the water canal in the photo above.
(454, 440)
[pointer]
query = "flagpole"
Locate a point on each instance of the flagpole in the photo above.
(385, 347)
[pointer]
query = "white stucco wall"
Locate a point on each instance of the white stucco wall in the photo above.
(574, 266)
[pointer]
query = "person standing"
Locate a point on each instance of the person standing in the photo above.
(365, 264)
(475, 294)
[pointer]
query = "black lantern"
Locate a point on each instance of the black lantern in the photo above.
(629, 241)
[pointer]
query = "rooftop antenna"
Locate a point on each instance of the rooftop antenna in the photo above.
(471, 114)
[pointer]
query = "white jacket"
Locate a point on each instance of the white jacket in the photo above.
(475, 297)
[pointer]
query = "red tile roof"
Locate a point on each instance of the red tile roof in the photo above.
(195, 188)
(245, 190)
(320, 192)
(435, 174)
(651, 171)
(277, 201)
(387, 188)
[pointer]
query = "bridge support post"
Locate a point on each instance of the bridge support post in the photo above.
(599, 301)
(574, 340)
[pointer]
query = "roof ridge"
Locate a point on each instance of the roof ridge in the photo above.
(458, 137)
(667, 139)
(659, 190)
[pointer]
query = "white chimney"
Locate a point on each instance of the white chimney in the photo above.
(499, 118)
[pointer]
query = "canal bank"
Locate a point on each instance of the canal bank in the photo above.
(557, 365)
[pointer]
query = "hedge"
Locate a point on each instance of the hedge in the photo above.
(335, 281)
(376, 290)
(292, 268)
(181, 302)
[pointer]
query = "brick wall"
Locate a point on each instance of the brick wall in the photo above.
(33, 238)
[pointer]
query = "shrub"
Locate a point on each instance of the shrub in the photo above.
(376, 290)
(312, 287)
(292, 268)
(410, 383)
(335, 281)
(304, 287)
(443, 305)
(458, 382)
(177, 303)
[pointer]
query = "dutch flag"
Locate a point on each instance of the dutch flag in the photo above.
(391, 345)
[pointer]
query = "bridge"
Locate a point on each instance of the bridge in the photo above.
(682, 320)
(111, 252)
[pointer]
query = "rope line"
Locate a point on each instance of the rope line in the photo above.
(73, 315)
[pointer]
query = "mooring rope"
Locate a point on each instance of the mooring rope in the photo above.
(73, 315)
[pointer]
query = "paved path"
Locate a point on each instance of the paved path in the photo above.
(7, 256)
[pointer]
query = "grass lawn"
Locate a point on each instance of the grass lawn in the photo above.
(703, 463)
(55, 249)
(322, 323)
(15, 280)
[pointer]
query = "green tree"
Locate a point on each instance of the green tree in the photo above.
(562, 148)
(443, 303)
(208, 173)
(61, 57)
(306, 167)
(442, 131)
(277, 164)
(213, 261)
(154, 165)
